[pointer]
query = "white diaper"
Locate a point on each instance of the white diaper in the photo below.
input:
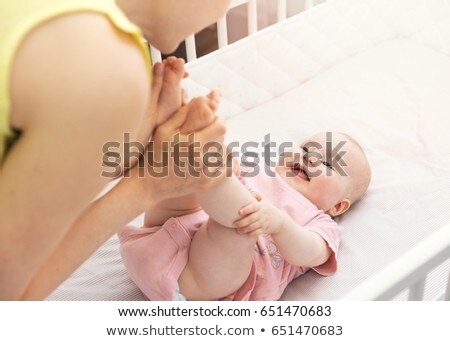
(177, 295)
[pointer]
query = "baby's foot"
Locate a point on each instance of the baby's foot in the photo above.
(201, 112)
(171, 96)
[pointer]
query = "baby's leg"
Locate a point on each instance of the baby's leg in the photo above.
(219, 263)
(223, 201)
(220, 259)
(199, 114)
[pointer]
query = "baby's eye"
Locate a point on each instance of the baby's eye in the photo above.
(305, 149)
(327, 164)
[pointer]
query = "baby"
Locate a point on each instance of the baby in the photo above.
(191, 249)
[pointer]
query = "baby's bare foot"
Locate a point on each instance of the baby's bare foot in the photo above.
(171, 96)
(201, 112)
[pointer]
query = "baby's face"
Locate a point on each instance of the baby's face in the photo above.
(328, 169)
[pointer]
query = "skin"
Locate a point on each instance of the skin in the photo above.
(186, 17)
(329, 189)
(200, 279)
(171, 96)
(50, 223)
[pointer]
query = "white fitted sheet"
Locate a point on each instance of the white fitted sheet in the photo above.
(378, 70)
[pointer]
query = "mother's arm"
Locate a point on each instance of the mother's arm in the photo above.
(124, 202)
(76, 84)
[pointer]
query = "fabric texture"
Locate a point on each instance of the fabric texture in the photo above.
(18, 18)
(156, 256)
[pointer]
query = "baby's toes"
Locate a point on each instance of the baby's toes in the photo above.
(178, 67)
(204, 111)
(206, 117)
(197, 104)
(214, 95)
(169, 60)
(174, 71)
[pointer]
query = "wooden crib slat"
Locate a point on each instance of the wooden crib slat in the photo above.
(252, 15)
(222, 28)
(222, 32)
(416, 290)
(281, 10)
(309, 4)
(191, 52)
(235, 3)
(156, 55)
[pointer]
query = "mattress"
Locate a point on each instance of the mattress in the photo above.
(378, 70)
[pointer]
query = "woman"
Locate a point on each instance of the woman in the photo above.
(75, 75)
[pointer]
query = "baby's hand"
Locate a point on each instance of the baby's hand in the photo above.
(259, 218)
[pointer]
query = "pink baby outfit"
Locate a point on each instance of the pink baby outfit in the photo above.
(156, 256)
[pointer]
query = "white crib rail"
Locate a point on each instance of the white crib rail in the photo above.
(409, 271)
(222, 29)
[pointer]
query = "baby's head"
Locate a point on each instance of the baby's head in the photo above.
(329, 169)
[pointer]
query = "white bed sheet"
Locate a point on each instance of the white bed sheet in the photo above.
(377, 70)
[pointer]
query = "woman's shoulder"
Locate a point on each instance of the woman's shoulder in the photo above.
(81, 59)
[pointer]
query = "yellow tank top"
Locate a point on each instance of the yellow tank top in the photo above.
(19, 17)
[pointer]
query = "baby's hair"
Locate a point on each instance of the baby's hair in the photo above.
(352, 140)
(360, 186)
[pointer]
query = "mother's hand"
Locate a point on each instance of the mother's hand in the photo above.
(169, 173)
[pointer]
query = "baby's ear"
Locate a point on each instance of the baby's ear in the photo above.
(339, 208)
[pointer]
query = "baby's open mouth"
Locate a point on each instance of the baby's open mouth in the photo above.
(299, 171)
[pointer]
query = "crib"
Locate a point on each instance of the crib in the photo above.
(396, 242)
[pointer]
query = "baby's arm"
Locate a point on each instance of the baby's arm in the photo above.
(299, 246)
